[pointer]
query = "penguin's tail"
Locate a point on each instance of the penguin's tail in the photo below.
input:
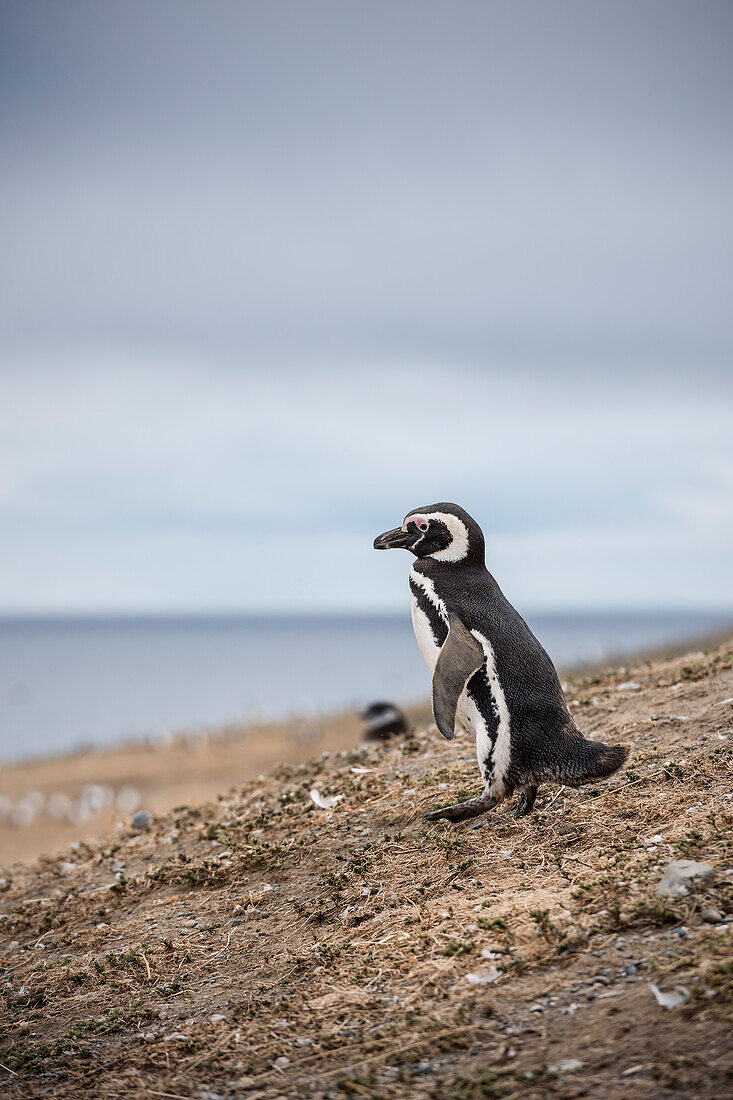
(588, 760)
(607, 759)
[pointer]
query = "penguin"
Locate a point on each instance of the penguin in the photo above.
(490, 675)
(382, 721)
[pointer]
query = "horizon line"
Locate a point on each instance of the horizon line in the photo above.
(50, 614)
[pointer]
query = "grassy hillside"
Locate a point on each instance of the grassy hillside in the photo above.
(261, 947)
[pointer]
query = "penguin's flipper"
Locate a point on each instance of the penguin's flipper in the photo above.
(460, 657)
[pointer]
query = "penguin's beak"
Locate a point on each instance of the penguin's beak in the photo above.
(396, 539)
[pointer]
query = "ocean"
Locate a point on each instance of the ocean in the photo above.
(71, 683)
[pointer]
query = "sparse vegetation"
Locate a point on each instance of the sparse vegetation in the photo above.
(257, 945)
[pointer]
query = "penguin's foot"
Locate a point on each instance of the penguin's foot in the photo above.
(462, 811)
(525, 804)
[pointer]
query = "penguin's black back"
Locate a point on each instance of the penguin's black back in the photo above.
(545, 742)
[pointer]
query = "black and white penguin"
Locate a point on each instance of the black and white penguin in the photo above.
(382, 721)
(490, 674)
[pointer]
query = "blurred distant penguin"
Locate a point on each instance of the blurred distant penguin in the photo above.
(383, 721)
(490, 674)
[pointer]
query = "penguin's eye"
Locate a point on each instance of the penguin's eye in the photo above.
(422, 525)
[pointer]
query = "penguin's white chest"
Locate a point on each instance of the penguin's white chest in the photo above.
(493, 751)
(424, 634)
(426, 640)
(467, 713)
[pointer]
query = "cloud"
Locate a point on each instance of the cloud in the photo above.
(149, 481)
(502, 182)
(274, 278)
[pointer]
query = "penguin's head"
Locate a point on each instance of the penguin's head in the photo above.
(443, 532)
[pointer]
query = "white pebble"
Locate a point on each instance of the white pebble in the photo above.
(128, 799)
(58, 806)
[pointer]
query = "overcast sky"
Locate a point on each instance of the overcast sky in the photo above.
(273, 274)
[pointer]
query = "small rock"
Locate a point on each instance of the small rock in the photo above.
(282, 1062)
(217, 1018)
(712, 916)
(128, 800)
(682, 874)
(246, 1082)
(143, 819)
(65, 868)
(628, 685)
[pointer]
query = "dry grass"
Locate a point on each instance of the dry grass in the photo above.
(335, 945)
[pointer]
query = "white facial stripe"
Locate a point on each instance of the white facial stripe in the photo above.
(457, 549)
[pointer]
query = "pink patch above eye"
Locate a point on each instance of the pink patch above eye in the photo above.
(420, 522)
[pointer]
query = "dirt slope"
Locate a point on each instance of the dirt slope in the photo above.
(183, 769)
(261, 947)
